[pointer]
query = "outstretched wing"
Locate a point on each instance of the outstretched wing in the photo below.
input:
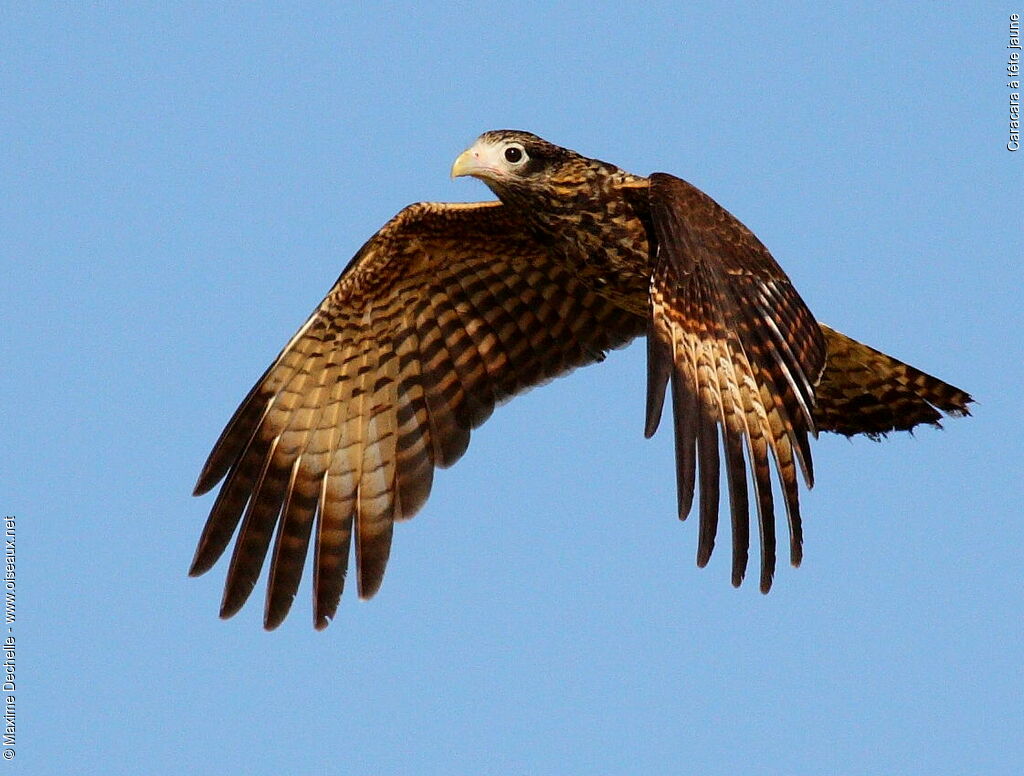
(446, 311)
(742, 353)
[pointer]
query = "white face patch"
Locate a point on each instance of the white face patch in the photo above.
(488, 159)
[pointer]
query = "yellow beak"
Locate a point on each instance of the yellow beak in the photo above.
(465, 164)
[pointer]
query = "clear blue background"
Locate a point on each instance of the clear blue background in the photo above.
(182, 183)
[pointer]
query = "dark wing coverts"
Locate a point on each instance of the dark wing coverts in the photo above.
(743, 354)
(446, 311)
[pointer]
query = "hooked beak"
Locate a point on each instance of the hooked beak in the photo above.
(475, 161)
(465, 164)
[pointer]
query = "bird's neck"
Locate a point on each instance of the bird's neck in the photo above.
(592, 223)
(580, 211)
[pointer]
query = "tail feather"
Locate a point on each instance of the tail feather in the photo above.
(864, 391)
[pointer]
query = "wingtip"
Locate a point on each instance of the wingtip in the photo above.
(229, 609)
(325, 607)
(204, 482)
(659, 371)
(199, 565)
(275, 613)
(684, 505)
(234, 598)
(369, 589)
(796, 554)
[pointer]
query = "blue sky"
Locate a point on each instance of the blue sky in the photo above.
(183, 182)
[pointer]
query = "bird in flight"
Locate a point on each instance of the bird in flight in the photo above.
(452, 308)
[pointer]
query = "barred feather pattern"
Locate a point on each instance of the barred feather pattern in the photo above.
(864, 391)
(447, 311)
(742, 353)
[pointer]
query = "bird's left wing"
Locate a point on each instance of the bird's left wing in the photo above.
(742, 353)
(447, 310)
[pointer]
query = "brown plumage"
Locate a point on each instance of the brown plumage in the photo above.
(452, 308)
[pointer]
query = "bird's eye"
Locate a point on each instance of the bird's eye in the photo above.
(513, 154)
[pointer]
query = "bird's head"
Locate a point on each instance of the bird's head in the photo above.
(545, 182)
(509, 160)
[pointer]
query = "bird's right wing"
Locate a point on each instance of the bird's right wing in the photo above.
(446, 311)
(742, 353)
